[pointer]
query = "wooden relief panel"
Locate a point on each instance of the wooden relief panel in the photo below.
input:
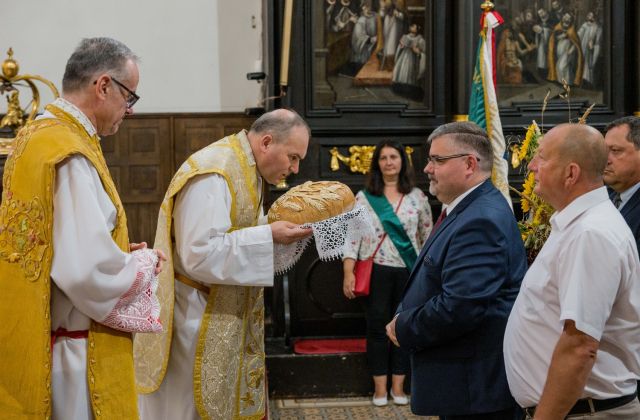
(145, 153)
(139, 158)
(194, 133)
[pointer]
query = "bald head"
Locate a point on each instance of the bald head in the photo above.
(585, 146)
(279, 141)
(279, 123)
(569, 162)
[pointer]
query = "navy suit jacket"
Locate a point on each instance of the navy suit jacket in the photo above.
(455, 308)
(631, 213)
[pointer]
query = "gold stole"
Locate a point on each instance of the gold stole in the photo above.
(229, 364)
(26, 250)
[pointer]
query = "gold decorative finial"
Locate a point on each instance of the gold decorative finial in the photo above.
(10, 67)
(15, 117)
(487, 6)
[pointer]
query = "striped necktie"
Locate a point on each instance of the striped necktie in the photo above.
(617, 200)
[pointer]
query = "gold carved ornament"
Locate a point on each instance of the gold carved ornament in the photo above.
(359, 159)
(487, 6)
(15, 117)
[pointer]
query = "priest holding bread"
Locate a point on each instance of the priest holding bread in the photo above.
(210, 362)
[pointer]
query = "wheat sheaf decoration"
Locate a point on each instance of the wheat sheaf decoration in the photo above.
(535, 226)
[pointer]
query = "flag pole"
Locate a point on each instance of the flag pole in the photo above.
(483, 105)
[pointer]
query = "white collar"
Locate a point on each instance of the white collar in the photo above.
(459, 198)
(561, 219)
(626, 195)
(75, 112)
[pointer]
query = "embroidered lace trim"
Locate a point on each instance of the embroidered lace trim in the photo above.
(330, 235)
(138, 310)
(74, 111)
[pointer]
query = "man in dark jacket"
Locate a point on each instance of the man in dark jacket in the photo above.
(457, 301)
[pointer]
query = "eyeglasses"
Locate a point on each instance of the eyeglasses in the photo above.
(435, 159)
(131, 98)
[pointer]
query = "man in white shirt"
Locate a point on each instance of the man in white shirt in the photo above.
(572, 345)
(222, 255)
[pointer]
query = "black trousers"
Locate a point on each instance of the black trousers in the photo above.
(514, 413)
(385, 293)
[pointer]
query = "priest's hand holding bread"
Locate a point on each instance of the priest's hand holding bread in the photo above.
(307, 203)
(286, 233)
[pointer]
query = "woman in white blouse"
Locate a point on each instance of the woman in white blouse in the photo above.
(390, 178)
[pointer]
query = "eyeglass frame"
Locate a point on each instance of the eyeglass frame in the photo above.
(435, 159)
(131, 99)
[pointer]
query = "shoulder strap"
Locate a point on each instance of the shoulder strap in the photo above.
(393, 227)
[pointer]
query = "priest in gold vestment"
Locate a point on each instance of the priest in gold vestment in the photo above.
(209, 362)
(71, 292)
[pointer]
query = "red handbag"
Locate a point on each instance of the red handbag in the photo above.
(362, 271)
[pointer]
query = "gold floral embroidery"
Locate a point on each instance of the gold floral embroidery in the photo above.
(23, 234)
(255, 378)
(20, 143)
(247, 400)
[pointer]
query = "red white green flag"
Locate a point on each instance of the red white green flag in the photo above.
(483, 105)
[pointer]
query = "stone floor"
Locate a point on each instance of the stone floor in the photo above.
(337, 409)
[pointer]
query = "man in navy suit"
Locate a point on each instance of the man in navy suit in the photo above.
(622, 173)
(457, 301)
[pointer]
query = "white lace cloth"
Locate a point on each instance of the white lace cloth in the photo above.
(138, 310)
(330, 235)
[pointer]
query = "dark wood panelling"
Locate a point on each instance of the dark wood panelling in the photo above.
(147, 150)
(193, 133)
(142, 219)
(139, 156)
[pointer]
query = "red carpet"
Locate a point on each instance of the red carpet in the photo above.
(330, 346)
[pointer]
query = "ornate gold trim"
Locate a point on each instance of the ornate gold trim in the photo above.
(6, 145)
(359, 159)
(487, 6)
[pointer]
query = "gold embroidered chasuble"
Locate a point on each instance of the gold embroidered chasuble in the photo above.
(26, 250)
(229, 363)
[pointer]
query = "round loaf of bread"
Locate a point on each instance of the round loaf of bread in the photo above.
(312, 202)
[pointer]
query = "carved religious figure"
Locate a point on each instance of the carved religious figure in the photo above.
(14, 118)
